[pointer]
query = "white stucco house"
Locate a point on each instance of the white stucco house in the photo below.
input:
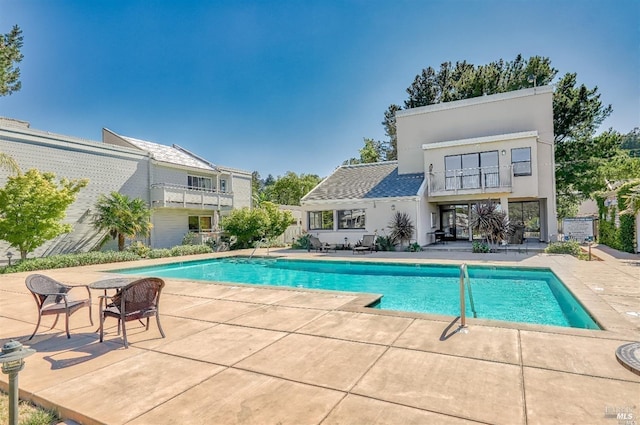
(184, 191)
(496, 148)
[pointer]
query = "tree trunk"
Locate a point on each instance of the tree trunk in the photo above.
(23, 254)
(120, 242)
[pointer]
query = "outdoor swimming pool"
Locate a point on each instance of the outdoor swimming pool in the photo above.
(499, 293)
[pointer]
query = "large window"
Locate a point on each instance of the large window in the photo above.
(320, 220)
(527, 215)
(489, 163)
(199, 183)
(471, 170)
(521, 161)
(351, 219)
(199, 224)
(452, 165)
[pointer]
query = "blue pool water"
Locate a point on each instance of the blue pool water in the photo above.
(499, 293)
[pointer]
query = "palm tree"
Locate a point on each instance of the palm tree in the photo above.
(122, 217)
(489, 221)
(402, 227)
(8, 163)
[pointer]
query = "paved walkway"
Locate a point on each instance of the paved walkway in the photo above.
(238, 354)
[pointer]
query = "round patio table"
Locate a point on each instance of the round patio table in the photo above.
(111, 283)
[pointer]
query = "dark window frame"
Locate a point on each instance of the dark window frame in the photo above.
(200, 228)
(323, 218)
(515, 164)
(472, 177)
(195, 182)
(361, 223)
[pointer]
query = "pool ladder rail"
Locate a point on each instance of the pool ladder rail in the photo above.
(258, 245)
(465, 281)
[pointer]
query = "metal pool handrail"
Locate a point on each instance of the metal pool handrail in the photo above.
(464, 275)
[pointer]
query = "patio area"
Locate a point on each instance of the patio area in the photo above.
(240, 354)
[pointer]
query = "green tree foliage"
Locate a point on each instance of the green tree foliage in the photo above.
(32, 206)
(389, 124)
(278, 220)
(256, 182)
(631, 142)
(632, 198)
(577, 110)
(623, 212)
(10, 56)
(581, 166)
(290, 188)
(249, 225)
(246, 225)
(372, 151)
(122, 217)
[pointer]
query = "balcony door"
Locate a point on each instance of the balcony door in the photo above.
(454, 221)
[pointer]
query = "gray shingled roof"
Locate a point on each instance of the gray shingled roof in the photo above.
(168, 154)
(377, 180)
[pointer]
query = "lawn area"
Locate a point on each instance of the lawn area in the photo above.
(28, 414)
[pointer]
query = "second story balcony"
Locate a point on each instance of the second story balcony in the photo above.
(175, 196)
(469, 181)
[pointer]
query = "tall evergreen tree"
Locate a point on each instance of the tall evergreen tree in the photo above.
(10, 56)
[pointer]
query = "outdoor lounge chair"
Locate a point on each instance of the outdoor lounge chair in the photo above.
(319, 246)
(368, 244)
(138, 300)
(52, 297)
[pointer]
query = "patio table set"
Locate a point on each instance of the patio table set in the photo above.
(134, 299)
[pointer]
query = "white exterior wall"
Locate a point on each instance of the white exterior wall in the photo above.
(242, 190)
(378, 215)
(161, 173)
(513, 112)
(529, 110)
(169, 226)
(107, 168)
(110, 166)
(521, 186)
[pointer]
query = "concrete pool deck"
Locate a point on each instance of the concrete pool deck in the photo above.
(259, 355)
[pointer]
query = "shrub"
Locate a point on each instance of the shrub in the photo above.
(179, 250)
(385, 243)
(139, 249)
(159, 253)
(626, 233)
(568, 247)
(89, 258)
(70, 260)
(414, 247)
(188, 238)
(480, 247)
(607, 233)
(303, 242)
(211, 243)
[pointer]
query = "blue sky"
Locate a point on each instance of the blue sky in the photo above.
(278, 86)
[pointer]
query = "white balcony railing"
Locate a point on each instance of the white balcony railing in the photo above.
(167, 195)
(471, 180)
